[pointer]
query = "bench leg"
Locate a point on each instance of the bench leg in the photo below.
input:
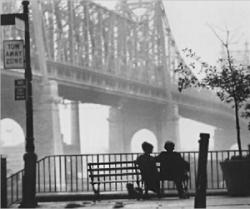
(96, 192)
(145, 196)
(97, 196)
(162, 187)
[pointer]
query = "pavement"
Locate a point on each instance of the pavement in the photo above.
(212, 202)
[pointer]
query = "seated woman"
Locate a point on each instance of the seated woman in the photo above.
(173, 167)
(147, 166)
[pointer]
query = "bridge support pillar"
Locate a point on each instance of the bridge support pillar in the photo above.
(169, 126)
(46, 119)
(129, 119)
(75, 146)
(125, 122)
(116, 130)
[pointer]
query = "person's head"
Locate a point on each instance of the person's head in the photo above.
(147, 147)
(169, 146)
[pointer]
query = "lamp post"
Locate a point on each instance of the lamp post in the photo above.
(30, 158)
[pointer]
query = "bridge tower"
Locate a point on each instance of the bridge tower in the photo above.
(154, 46)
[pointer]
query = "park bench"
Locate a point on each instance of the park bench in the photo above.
(113, 176)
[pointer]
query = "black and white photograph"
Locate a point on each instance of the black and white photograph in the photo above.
(134, 104)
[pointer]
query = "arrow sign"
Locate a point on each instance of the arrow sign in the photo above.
(10, 19)
(20, 25)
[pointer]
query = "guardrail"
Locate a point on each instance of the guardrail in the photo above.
(14, 187)
(68, 173)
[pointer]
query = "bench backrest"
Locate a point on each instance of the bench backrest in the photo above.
(114, 172)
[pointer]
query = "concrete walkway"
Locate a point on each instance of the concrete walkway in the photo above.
(213, 202)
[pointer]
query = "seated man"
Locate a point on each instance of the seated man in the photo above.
(147, 166)
(173, 167)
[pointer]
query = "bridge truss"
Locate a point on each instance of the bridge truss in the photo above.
(125, 46)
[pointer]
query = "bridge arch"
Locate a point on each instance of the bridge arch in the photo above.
(12, 142)
(140, 136)
(127, 123)
(12, 133)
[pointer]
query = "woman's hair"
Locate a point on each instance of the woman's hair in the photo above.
(147, 147)
(169, 145)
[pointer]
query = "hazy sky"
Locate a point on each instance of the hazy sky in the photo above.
(189, 21)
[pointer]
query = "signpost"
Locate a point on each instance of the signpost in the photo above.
(30, 158)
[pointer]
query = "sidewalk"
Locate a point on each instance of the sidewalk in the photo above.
(213, 202)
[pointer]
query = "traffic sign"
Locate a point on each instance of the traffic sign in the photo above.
(10, 19)
(13, 53)
(20, 89)
(20, 82)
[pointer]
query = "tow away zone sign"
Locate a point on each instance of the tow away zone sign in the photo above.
(13, 54)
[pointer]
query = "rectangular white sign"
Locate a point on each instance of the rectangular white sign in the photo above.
(13, 54)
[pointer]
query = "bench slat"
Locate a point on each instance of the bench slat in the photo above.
(115, 181)
(112, 163)
(113, 174)
(112, 169)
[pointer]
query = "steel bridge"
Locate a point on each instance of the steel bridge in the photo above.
(84, 52)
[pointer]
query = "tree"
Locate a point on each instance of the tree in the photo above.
(230, 81)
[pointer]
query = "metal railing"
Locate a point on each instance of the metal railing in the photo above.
(68, 173)
(14, 188)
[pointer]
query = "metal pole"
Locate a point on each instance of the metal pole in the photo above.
(3, 183)
(30, 158)
(201, 181)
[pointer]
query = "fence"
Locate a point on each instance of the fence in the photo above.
(68, 173)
